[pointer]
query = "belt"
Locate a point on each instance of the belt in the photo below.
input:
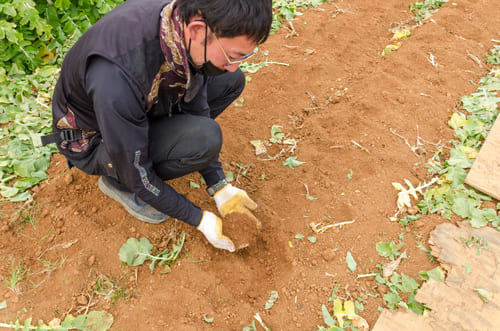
(68, 135)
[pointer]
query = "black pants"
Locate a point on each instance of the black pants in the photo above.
(180, 144)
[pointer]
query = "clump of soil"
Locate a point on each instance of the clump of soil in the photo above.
(241, 229)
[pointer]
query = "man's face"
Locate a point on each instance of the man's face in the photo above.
(224, 53)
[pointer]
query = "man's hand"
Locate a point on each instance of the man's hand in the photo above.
(233, 200)
(211, 227)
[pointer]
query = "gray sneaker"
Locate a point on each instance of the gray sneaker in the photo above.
(132, 204)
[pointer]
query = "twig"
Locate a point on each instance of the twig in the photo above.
(432, 60)
(287, 46)
(292, 30)
(367, 275)
(293, 119)
(412, 148)
(320, 228)
(358, 145)
(475, 59)
(308, 197)
(313, 100)
(244, 168)
(425, 95)
(337, 147)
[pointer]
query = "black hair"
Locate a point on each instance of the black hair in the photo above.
(231, 18)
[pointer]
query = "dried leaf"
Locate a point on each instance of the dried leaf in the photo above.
(389, 268)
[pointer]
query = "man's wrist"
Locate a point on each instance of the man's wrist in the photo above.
(217, 187)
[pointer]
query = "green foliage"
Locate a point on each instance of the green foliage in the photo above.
(425, 9)
(93, 321)
(388, 250)
(494, 57)
(351, 264)
(34, 37)
(452, 195)
(272, 299)
(135, 252)
(292, 162)
(288, 10)
(35, 32)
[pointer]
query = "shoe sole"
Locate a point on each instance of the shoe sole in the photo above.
(110, 193)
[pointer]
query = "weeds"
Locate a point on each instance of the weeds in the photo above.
(19, 273)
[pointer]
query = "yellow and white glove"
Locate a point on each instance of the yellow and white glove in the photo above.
(211, 227)
(231, 199)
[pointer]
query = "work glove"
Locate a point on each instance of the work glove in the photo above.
(211, 227)
(231, 199)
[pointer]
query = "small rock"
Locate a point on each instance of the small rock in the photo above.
(78, 187)
(94, 210)
(413, 210)
(4, 228)
(68, 179)
(91, 260)
(328, 255)
(82, 300)
(132, 230)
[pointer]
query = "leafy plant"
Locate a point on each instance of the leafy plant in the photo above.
(494, 57)
(276, 134)
(425, 9)
(351, 264)
(388, 250)
(292, 162)
(18, 273)
(287, 10)
(135, 252)
(93, 321)
(452, 195)
(272, 299)
(34, 37)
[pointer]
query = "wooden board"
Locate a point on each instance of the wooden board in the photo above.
(485, 172)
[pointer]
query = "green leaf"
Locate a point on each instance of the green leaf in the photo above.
(415, 306)
(467, 267)
(3, 304)
(463, 207)
(208, 320)
(409, 284)
(8, 191)
(329, 321)
(312, 239)
(485, 295)
(193, 185)
(276, 134)
(437, 274)
(351, 264)
(299, 236)
(387, 249)
(135, 252)
(272, 299)
(392, 299)
(292, 162)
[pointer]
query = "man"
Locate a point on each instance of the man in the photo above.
(137, 97)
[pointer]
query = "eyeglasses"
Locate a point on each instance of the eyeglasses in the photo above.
(229, 61)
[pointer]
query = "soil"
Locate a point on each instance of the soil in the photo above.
(345, 104)
(241, 229)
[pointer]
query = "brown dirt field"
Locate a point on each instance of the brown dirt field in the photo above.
(337, 90)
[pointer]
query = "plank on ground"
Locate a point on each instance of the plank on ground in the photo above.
(485, 172)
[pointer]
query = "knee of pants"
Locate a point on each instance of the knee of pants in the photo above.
(208, 140)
